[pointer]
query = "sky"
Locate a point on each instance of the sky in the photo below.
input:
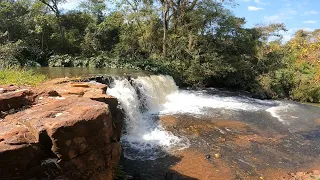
(295, 14)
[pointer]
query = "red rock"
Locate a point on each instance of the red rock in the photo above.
(316, 172)
(81, 132)
(8, 88)
(110, 100)
(84, 85)
(18, 150)
(74, 125)
(300, 174)
(16, 99)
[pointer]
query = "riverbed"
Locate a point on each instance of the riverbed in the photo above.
(174, 133)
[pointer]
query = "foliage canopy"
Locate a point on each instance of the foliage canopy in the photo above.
(199, 42)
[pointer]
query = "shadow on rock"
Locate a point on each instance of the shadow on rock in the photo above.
(159, 169)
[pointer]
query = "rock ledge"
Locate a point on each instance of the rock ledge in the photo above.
(66, 130)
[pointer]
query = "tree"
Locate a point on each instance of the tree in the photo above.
(53, 5)
(95, 7)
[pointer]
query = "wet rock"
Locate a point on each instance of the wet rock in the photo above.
(173, 176)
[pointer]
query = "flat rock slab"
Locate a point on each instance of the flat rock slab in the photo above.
(74, 88)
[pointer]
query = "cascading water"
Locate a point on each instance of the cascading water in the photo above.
(144, 99)
(141, 100)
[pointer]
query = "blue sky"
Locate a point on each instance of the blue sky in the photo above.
(295, 14)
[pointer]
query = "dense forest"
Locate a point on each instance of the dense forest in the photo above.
(199, 42)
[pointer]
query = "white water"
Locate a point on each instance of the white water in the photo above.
(281, 112)
(149, 96)
(197, 102)
(144, 137)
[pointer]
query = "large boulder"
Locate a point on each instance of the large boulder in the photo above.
(69, 135)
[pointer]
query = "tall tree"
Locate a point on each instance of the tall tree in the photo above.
(96, 8)
(53, 5)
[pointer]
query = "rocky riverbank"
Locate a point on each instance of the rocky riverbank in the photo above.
(61, 129)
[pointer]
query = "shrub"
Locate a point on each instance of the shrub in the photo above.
(279, 83)
(10, 54)
(306, 91)
(19, 54)
(61, 61)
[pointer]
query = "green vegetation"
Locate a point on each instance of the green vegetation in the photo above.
(19, 76)
(199, 42)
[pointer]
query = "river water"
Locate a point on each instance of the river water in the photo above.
(281, 134)
(251, 135)
(59, 72)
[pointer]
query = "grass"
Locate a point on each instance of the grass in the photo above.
(20, 76)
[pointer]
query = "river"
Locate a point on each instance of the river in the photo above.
(173, 133)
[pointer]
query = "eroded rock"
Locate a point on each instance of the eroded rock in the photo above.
(16, 99)
(71, 131)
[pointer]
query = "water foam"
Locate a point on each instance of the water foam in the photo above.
(145, 138)
(281, 112)
(197, 102)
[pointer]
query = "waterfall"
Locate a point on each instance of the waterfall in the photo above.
(141, 99)
(144, 98)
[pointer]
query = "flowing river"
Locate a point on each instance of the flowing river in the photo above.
(211, 133)
(288, 131)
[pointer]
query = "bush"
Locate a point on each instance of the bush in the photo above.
(61, 61)
(278, 84)
(10, 54)
(19, 54)
(306, 91)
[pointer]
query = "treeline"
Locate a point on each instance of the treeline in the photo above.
(199, 42)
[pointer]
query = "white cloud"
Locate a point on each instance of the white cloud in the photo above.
(286, 13)
(291, 12)
(309, 22)
(252, 8)
(274, 18)
(260, 2)
(311, 12)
